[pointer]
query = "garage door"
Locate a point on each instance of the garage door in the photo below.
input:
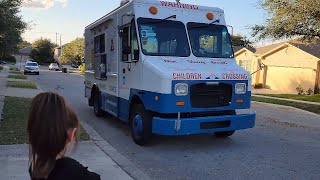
(286, 79)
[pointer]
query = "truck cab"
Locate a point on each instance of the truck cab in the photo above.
(166, 68)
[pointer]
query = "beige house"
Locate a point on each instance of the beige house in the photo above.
(287, 66)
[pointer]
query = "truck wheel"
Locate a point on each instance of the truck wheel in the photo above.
(140, 124)
(226, 133)
(97, 104)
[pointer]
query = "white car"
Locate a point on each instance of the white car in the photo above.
(31, 67)
(54, 66)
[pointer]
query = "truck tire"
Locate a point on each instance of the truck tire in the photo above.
(140, 124)
(97, 104)
(226, 133)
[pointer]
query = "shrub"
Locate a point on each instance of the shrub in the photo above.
(310, 91)
(300, 90)
(258, 86)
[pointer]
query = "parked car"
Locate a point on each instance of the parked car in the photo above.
(31, 67)
(54, 66)
(74, 65)
(3, 62)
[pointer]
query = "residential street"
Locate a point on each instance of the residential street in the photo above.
(285, 144)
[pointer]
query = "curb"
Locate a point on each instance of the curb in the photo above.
(278, 105)
(119, 159)
(285, 99)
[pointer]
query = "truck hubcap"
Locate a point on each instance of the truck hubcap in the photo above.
(137, 126)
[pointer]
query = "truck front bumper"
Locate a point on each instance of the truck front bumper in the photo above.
(202, 125)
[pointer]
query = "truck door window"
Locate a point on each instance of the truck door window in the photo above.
(134, 42)
(100, 58)
(125, 43)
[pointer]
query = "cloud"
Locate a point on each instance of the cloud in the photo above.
(43, 4)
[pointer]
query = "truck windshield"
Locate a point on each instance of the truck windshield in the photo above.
(32, 64)
(210, 40)
(163, 38)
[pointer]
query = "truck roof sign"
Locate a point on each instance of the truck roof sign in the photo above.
(179, 5)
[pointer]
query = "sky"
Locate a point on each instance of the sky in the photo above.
(68, 18)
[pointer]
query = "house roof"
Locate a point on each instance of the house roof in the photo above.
(264, 49)
(25, 51)
(311, 48)
(239, 49)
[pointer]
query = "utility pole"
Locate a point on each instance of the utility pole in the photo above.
(56, 38)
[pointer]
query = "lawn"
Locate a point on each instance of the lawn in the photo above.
(312, 98)
(303, 106)
(13, 68)
(13, 128)
(22, 84)
(15, 72)
(17, 76)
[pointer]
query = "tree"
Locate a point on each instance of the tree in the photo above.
(42, 51)
(24, 44)
(238, 40)
(11, 27)
(73, 52)
(290, 18)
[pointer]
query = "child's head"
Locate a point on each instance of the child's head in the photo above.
(52, 126)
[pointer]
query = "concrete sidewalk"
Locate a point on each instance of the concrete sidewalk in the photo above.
(284, 99)
(14, 162)
(94, 153)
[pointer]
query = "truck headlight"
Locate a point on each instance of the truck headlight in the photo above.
(181, 89)
(240, 88)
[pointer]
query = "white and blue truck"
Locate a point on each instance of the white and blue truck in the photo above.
(166, 68)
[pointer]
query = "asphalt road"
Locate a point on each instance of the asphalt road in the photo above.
(285, 144)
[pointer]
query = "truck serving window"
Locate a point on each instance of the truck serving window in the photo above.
(163, 38)
(210, 40)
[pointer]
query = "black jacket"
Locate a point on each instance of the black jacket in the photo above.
(70, 169)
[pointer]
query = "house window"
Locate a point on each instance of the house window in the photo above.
(245, 64)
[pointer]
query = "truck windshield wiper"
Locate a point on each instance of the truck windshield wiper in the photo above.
(206, 25)
(162, 20)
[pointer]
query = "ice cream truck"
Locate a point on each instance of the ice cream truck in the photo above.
(166, 68)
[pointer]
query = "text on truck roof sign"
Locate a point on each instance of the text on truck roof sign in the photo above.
(179, 5)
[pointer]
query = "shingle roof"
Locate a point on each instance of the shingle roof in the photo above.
(25, 51)
(238, 48)
(264, 49)
(311, 48)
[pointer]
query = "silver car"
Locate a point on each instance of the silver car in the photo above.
(54, 66)
(31, 67)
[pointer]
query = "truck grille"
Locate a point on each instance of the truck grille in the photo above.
(210, 95)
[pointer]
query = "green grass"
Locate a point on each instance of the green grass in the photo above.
(13, 68)
(22, 84)
(17, 76)
(15, 72)
(303, 106)
(1, 68)
(13, 128)
(312, 98)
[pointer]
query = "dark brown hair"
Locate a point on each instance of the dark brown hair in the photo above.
(49, 120)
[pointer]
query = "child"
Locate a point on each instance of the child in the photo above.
(53, 128)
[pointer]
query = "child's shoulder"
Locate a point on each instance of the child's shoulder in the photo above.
(68, 167)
